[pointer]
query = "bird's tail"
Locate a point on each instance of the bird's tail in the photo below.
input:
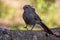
(46, 29)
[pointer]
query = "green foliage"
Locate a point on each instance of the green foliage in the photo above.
(43, 5)
(4, 10)
(1, 9)
(47, 9)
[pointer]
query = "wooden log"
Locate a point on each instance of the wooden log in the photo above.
(26, 35)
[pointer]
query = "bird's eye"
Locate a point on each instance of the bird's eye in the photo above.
(26, 7)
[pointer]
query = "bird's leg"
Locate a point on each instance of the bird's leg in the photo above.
(26, 27)
(32, 27)
(31, 30)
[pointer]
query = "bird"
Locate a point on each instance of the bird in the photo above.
(31, 18)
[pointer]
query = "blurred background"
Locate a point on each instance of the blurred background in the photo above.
(11, 12)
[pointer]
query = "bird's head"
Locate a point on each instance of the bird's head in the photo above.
(27, 7)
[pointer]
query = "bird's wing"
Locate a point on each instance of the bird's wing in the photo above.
(36, 17)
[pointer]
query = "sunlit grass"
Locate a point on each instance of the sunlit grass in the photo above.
(21, 27)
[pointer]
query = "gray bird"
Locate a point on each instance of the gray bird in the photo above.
(31, 18)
